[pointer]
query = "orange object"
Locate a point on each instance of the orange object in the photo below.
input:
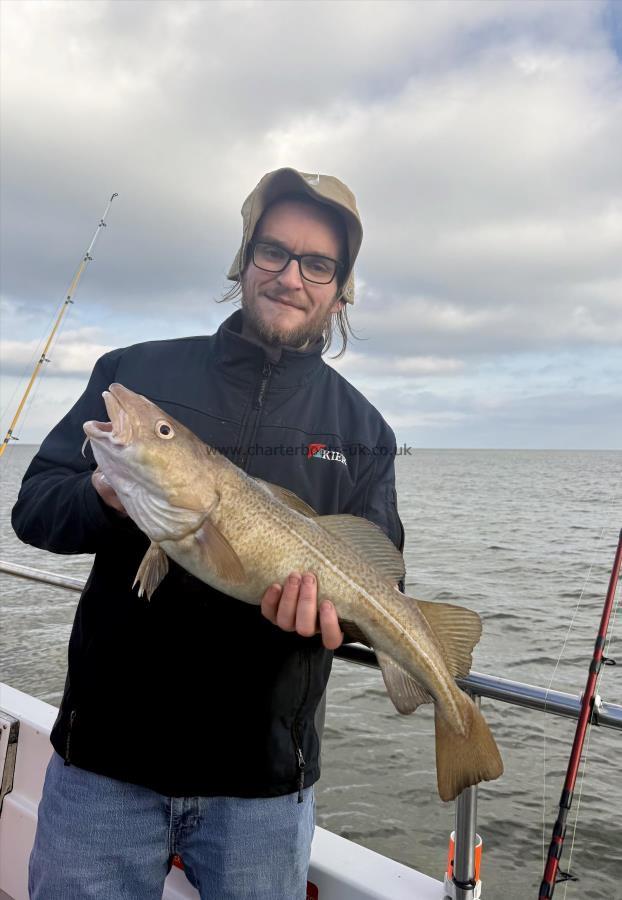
(451, 852)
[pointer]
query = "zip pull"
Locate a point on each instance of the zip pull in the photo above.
(72, 719)
(301, 774)
(265, 374)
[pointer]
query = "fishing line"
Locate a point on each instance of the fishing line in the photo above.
(599, 548)
(24, 418)
(431, 577)
(599, 680)
(59, 321)
(33, 392)
(27, 368)
(34, 356)
(550, 685)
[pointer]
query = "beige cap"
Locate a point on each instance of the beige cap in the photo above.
(323, 188)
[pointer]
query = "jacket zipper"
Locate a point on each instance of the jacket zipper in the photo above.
(251, 428)
(265, 375)
(72, 719)
(301, 775)
(300, 760)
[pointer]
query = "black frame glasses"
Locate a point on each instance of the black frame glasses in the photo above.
(300, 259)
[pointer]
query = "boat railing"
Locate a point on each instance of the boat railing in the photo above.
(559, 703)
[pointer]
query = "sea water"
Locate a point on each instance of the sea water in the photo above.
(525, 538)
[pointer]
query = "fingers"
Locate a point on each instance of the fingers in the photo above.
(107, 492)
(332, 635)
(294, 607)
(278, 604)
(306, 610)
(270, 602)
(286, 613)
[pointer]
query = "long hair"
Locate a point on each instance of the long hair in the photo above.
(336, 323)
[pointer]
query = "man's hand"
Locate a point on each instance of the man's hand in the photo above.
(107, 492)
(294, 607)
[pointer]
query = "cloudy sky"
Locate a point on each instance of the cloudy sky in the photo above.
(482, 140)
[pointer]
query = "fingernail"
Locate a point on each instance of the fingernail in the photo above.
(294, 579)
(309, 578)
(326, 605)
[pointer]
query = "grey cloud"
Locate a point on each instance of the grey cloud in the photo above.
(76, 358)
(549, 419)
(406, 326)
(176, 107)
(482, 141)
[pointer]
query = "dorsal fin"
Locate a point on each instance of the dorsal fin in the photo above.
(369, 541)
(457, 630)
(289, 498)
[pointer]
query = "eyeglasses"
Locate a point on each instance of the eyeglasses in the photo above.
(272, 258)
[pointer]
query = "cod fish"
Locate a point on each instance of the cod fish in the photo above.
(240, 535)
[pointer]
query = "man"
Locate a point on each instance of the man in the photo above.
(190, 724)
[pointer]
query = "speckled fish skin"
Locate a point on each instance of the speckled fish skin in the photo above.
(199, 508)
(273, 540)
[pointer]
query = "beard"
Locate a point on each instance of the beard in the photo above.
(275, 335)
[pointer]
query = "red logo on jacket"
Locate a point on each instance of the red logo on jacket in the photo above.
(312, 449)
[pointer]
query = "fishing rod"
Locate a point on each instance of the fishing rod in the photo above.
(587, 705)
(86, 259)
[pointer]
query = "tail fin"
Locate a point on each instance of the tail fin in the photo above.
(464, 760)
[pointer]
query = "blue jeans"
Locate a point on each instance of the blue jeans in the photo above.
(106, 839)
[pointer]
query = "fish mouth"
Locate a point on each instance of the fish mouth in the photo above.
(118, 430)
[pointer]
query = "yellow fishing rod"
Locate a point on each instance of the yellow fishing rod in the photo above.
(86, 259)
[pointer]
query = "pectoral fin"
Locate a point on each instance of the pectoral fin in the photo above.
(406, 694)
(219, 555)
(151, 571)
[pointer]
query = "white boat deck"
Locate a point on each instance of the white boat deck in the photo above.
(340, 869)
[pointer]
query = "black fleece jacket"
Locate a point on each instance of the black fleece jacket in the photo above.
(195, 693)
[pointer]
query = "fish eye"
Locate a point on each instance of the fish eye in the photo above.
(164, 430)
